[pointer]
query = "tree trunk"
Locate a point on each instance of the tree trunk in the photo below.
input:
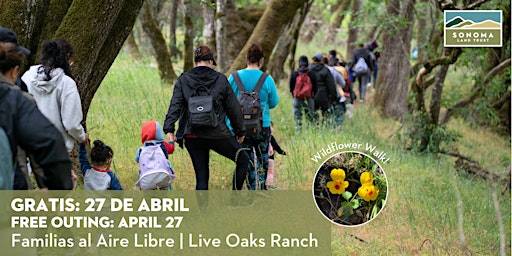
(172, 28)
(162, 55)
(26, 18)
(437, 93)
(312, 25)
(220, 26)
(188, 42)
(394, 67)
(277, 14)
(353, 30)
(92, 61)
(286, 45)
(209, 25)
(132, 46)
(336, 20)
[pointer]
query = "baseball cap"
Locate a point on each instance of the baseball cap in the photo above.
(203, 52)
(318, 56)
(8, 36)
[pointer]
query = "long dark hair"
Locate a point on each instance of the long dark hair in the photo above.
(56, 54)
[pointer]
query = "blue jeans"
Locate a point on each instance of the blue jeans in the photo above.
(363, 85)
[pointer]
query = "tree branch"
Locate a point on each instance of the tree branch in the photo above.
(475, 5)
(476, 92)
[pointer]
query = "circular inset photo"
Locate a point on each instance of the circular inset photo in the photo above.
(350, 189)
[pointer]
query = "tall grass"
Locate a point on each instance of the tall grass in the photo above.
(429, 203)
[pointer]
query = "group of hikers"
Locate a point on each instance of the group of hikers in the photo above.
(323, 89)
(42, 113)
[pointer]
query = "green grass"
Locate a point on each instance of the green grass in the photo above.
(425, 192)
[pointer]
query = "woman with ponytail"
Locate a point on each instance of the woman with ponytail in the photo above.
(258, 143)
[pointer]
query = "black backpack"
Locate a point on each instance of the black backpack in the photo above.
(251, 104)
(202, 108)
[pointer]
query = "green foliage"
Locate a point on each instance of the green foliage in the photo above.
(420, 204)
(422, 136)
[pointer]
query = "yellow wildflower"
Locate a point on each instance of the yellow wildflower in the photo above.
(338, 174)
(366, 178)
(368, 192)
(337, 186)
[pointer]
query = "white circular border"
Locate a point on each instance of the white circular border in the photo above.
(313, 189)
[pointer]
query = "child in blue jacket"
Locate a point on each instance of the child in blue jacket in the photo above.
(98, 176)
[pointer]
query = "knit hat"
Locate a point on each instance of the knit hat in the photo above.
(8, 36)
(303, 61)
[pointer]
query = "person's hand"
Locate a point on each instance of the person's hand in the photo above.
(86, 141)
(74, 178)
(240, 139)
(171, 137)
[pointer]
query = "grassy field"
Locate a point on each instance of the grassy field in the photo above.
(431, 209)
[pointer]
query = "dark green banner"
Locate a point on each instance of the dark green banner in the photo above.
(153, 223)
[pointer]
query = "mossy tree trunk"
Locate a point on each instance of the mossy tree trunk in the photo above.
(209, 25)
(95, 52)
(133, 48)
(161, 53)
(188, 41)
(287, 44)
(221, 35)
(394, 66)
(27, 19)
(172, 28)
(277, 14)
(353, 30)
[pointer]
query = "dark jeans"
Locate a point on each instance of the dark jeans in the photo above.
(300, 106)
(199, 151)
(258, 144)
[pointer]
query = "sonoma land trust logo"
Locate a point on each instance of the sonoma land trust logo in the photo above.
(472, 28)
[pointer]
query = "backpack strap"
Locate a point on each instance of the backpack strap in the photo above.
(238, 82)
(262, 79)
(240, 85)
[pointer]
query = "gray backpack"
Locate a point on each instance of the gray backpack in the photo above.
(251, 104)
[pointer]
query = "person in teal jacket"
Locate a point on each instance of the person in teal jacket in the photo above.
(258, 143)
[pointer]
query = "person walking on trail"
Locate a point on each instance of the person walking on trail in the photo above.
(362, 67)
(338, 107)
(249, 78)
(22, 179)
(56, 94)
(326, 88)
(200, 139)
(97, 175)
(303, 91)
(22, 124)
(348, 92)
